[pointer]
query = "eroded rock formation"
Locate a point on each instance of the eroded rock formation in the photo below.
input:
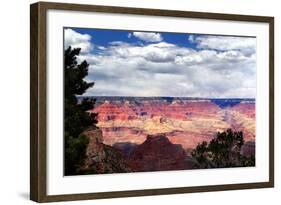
(157, 153)
(102, 158)
(184, 121)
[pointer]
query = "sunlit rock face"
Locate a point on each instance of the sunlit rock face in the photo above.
(184, 121)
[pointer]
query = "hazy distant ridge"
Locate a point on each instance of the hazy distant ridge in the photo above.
(222, 102)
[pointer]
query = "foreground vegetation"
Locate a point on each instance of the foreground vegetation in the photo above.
(223, 151)
(76, 119)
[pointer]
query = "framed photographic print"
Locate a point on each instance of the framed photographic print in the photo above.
(134, 102)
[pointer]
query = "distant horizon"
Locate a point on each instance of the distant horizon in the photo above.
(234, 98)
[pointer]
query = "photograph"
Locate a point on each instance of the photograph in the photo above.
(146, 101)
(131, 101)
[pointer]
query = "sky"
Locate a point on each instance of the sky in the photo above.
(146, 64)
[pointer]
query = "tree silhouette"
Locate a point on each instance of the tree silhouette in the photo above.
(222, 151)
(76, 119)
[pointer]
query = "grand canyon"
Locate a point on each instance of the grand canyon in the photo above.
(159, 133)
(138, 101)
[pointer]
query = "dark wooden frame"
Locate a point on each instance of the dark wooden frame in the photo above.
(38, 97)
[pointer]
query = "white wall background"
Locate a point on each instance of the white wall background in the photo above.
(14, 104)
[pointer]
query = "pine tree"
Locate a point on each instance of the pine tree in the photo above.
(222, 151)
(76, 117)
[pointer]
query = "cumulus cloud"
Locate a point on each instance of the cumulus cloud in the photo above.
(166, 69)
(77, 40)
(156, 52)
(147, 36)
(247, 45)
(136, 71)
